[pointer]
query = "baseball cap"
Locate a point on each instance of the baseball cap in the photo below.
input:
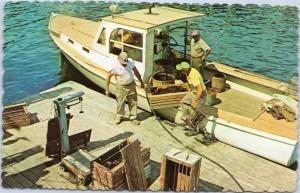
(183, 66)
(194, 33)
(123, 58)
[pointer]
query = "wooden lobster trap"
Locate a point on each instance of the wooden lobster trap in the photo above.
(110, 168)
(179, 171)
(16, 116)
(167, 96)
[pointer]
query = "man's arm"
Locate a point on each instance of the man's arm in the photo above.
(199, 91)
(206, 53)
(137, 74)
(205, 47)
(107, 82)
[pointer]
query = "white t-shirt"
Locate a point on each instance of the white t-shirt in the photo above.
(124, 75)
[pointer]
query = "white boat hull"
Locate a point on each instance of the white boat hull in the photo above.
(272, 147)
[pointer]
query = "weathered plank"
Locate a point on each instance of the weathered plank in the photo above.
(134, 167)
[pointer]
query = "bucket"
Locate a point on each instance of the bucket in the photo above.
(211, 97)
(160, 78)
(218, 82)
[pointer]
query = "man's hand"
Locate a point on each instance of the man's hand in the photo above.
(107, 92)
(142, 85)
(194, 104)
(137, 74)
(206, 53)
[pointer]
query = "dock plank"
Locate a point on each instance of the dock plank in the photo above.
(253, 173)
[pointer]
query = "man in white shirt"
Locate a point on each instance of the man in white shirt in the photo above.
(126, 87)
(199, 51)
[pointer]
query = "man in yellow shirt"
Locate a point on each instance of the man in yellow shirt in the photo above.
(199, 51)
(197, 91)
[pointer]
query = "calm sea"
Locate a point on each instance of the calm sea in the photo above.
(261, 39)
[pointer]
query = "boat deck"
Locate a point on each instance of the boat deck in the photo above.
(239, 103)
(25, 164)
(244, 109)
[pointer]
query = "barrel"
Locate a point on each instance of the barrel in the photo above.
(161, 78)
(218, 82)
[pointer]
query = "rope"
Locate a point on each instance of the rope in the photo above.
(189, 148)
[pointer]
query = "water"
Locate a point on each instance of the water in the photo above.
(261, 39)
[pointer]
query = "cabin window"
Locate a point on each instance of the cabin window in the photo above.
(102, 38)
(71, 41)
(85, 49)
(127, 41)
(133, 38)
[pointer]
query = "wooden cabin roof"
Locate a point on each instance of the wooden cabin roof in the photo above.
(160, 15)
(80, 30)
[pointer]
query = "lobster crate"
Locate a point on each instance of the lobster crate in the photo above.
(108, 169)
(167, 96)
(16, 116)
(179, 171)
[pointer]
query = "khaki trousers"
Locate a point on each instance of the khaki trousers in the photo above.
(128, 93)
(186, 110)
(198, 63)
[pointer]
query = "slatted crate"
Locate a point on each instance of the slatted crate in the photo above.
(15, 116)
(179, 171)
(160, 101)
(114, 178)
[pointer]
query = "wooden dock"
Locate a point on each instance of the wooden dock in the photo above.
(25, 165)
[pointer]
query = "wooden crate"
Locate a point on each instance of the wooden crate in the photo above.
(179, 171)
(79, 163)
(115, 178)
(15, 116)
(160, 101)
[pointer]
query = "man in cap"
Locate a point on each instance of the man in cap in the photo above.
(123, 70)
(198, 91)
(199, 51)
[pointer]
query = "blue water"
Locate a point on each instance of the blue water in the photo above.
(261, 39)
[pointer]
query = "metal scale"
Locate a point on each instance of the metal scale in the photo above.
(64, 147)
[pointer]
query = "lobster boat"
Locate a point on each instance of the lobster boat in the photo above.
(150, 37)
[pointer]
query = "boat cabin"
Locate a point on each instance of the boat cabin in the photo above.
(146, 35)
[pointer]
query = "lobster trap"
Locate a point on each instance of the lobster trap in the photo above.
(167, 96)
(109, 169)
(179, 171)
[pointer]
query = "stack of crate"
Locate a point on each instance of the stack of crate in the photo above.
(108, 169)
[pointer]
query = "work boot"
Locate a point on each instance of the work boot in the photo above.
(118, 120)
(135, 121)
(183, 124)
(206, 140)
(192, 133)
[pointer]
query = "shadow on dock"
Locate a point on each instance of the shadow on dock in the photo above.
(205, 186)
(101, 143)
(9, 142)
(28, 178)
(20, 155)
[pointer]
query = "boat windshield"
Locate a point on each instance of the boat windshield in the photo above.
(128, 41)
